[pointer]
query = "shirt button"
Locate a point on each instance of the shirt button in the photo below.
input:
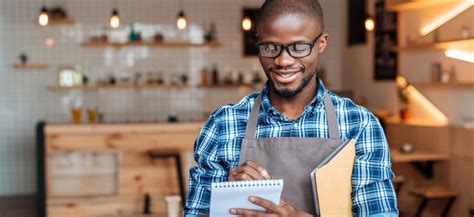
(295, 125)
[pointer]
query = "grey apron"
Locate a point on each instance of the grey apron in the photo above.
(291, 158)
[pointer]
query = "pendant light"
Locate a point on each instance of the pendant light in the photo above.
(369, 23)
(181, 21)
(114, 17)
(246, 23)
(43, 17)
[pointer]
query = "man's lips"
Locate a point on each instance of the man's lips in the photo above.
(286, 73)
(285, 77)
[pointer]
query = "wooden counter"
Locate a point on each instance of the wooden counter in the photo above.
(453, 150)
(121, 137)
(417, 156)
(105, 169)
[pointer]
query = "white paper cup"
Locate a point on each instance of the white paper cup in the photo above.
(173, 204)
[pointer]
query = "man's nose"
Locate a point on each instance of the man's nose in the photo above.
(285, 59)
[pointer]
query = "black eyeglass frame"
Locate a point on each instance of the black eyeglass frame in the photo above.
(286, 47)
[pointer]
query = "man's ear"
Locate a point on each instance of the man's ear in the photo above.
(323, 41)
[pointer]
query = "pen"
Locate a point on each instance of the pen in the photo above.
(265, 175)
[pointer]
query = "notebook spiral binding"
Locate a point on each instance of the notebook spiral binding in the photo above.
(253, 183)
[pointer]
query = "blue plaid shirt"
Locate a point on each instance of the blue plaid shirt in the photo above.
(217, 149)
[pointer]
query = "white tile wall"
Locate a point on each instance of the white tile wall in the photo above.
(24, 99)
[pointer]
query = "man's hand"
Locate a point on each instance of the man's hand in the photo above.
(273, 210)
(249, 170)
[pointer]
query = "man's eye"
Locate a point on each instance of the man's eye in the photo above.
(270, 48)
(299, 47)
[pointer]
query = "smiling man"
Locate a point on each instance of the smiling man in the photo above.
(289, 127)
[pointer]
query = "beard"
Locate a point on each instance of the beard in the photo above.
(288, 93)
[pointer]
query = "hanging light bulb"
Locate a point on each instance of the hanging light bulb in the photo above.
(246, 23)
(369, 23)
(181, 22)
(43, 17)
(114, 19)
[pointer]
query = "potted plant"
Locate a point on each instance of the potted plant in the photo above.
(23, 58)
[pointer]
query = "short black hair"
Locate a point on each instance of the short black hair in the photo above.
(274, 8)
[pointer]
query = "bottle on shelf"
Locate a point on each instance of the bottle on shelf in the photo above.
(436, 72)
(204, 77)
(184, 78)
(215, 75)
(160, 78)
(452, 75)
(213, 32)
(133, 35)
(78, 75)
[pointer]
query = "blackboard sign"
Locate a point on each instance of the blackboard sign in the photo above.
(356, 20)
(386, 57)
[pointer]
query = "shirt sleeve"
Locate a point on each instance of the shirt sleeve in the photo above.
(207, 171)
(372, 189)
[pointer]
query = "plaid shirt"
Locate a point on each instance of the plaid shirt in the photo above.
(217, 149)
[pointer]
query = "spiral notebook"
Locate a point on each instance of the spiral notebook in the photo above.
(227, 195)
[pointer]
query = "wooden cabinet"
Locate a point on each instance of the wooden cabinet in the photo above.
(105, 170)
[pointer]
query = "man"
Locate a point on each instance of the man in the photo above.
(281, 131)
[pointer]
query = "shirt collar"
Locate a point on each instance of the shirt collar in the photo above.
(316, 102)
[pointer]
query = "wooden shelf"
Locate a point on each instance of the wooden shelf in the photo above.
(442, 45)
(227, 86)
(117, 87)
(464, 85)
(31, 66)
(405, 5)
(414, 122)
(144, 86)
(150, 44)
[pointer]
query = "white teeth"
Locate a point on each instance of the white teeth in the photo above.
(287, 75)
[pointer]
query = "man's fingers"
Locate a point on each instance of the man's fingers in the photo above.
(283, 202)
(249, 213)
(263, 172)
(268, 205)
(243, 177)
(251, 172)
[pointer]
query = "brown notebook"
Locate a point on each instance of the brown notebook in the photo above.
(331, 181)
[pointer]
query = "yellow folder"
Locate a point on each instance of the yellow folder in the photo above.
(332, 182)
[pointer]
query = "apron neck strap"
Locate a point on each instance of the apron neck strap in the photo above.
(253, 118)
(250, 131)
(331, 115)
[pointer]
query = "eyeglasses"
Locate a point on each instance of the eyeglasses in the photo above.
(296, 50)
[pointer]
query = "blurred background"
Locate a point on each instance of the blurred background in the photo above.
(101, 100)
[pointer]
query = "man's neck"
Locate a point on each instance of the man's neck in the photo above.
(293, 107)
